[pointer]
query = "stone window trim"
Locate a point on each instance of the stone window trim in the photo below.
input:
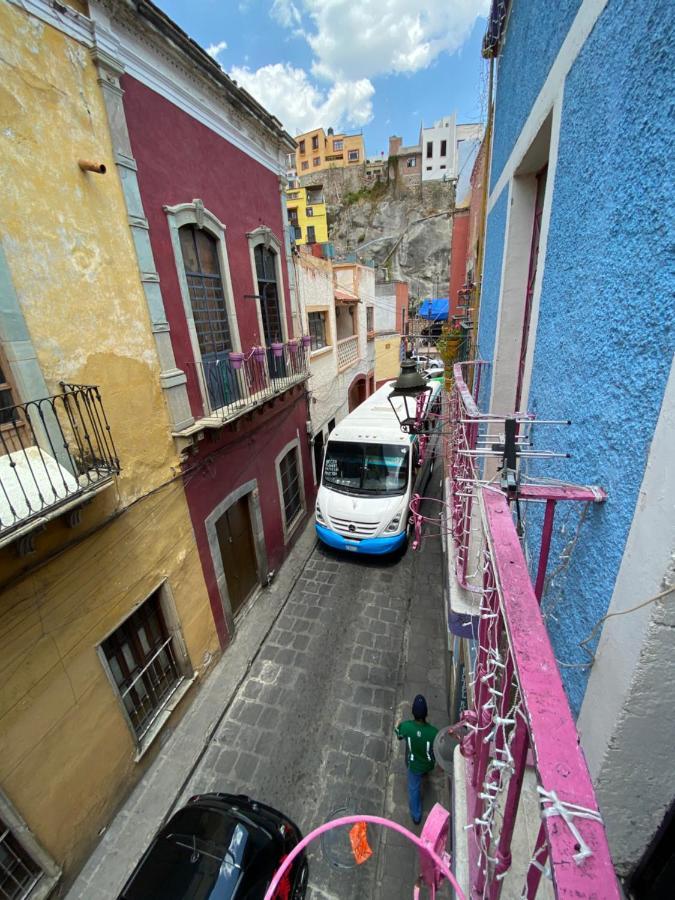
(264, 235)
(179, 647)
(353, 155)
(195, 213)
(289, 530)
(51, 873)
(250, 490)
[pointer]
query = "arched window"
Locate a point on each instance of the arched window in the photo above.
(266, 274)
(207, 298)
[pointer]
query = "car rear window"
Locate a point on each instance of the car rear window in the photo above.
(200, 854)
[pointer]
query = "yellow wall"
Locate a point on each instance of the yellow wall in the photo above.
(296, 199)
(328, 157)
(387, 357)
(66, 753)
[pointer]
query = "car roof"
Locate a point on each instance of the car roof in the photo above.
(211, 850)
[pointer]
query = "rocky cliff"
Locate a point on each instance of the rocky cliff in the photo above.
(406, 229)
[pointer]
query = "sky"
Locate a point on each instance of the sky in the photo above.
(377, 66)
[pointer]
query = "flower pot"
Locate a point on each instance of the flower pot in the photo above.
(259, 354)
(277, 349)
(236, 360)
(306, 341)
(293, 345)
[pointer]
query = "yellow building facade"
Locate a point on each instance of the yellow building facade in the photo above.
(108, 547)
(307, 214)
(318, 150)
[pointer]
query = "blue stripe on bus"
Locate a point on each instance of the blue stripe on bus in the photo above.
(373, 546)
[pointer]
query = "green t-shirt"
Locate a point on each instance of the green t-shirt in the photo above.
(419, 743)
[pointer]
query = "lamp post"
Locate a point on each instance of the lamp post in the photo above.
(413, 390)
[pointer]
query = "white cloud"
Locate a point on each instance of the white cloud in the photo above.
(286, 13)
(288, 94)
(214, 49)
(354, 40)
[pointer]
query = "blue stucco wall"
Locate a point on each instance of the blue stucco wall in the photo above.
(534, 35)
(489, 300)
(605, 338)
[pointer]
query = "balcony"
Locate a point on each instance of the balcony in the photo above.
(524, 806)
(347, 352)
(54, 454)
(236, 384)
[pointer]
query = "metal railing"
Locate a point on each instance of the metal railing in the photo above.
(152, 687)
(347, 351)
(519, 704)
(233, 384)
(52, 451)
(465, 427)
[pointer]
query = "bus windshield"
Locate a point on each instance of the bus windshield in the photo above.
(354, 468)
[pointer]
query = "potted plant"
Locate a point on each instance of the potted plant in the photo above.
(258, 354)
(293, 345)
(306, 341)
(277, 349)
(236, 360)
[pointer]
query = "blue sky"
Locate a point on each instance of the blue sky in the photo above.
(380, 66)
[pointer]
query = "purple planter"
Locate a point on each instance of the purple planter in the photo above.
(277, 349)
(236, 360)
(306, 341)
(259, 354)
(293, 345)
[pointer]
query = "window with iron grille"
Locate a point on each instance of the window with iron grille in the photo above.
(305, 165)
(411, 162)
(205, 286)
(370, 318)
(290, 486)
(353, 155)
(266, 271)
(317, 330)
(311, 234)
(142, 661)
(301, 146)
(315, 142)
(338, 145)
(309, 211)
(19, 873)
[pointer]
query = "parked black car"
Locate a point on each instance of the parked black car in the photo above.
(219, 847)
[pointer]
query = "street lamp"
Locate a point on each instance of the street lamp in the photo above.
(413, 390)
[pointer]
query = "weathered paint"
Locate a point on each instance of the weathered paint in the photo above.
(66, 754)
(180, 160)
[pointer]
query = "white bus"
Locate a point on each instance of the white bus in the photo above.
(371, 470)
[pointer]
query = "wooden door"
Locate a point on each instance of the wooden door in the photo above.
(235, 539)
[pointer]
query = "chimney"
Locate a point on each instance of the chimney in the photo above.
(394, 145)
(330, 131)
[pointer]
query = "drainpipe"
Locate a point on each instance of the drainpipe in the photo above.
(478, 276)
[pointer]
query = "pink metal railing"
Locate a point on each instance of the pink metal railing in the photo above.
(520, 705)
(465, 420)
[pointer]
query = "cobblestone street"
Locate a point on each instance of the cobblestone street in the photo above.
(310, 727)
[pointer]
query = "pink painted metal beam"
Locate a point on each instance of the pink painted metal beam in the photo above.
(561, 492)
(559, 761)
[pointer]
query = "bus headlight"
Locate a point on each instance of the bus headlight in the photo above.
(393, 525)
(317, 513)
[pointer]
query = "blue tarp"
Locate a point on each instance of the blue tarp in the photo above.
(436, 310)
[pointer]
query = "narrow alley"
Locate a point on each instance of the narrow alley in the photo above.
(306, 723)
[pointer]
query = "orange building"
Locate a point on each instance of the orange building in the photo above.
(318, 150)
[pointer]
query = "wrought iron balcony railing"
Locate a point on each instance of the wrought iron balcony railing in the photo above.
(53, 452)
(233, 384)
(517, 702)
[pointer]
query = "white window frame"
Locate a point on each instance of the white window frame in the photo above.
(355, 158)
(179, 648)
(196, 214)
(411, 162)
(290, 529)
(51, 873)
(264, 235)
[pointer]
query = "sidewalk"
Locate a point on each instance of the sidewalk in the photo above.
(129, 833)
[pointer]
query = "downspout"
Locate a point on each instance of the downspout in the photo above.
(478, 277)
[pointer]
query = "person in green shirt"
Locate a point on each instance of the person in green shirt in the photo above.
(419, 737)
